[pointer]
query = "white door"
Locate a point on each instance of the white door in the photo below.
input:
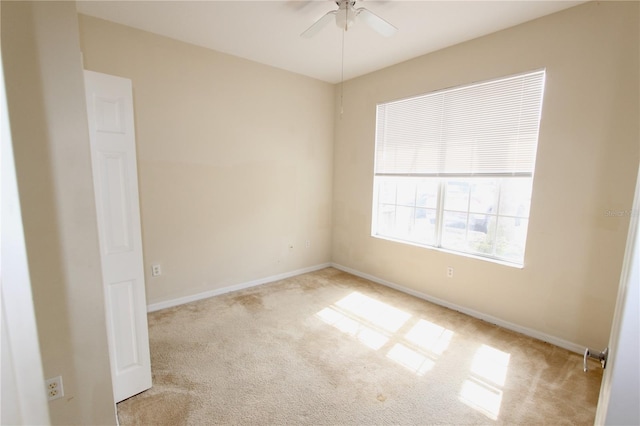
(620, 390)
(115, 180)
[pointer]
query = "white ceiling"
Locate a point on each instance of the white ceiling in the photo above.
(268, 31)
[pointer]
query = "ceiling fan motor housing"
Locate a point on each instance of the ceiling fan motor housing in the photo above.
(346, 16)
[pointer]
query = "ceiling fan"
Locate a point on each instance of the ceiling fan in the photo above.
(345, 16)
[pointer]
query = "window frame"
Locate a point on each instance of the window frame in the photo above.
(442, 178)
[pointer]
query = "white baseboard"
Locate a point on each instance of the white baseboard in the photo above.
(205, 295)
(573, 347)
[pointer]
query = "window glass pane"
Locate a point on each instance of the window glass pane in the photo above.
(425, 226)
(471, 222)
(407, 192)
(454, 230)
(404, 222)
(457, 195)
(511, 236)
(484, 195)
(427, 193)
(480, 237)
(387, 191)
(480, 223)
(386, 219)
(515, 197)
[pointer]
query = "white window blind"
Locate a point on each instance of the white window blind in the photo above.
(484, 129)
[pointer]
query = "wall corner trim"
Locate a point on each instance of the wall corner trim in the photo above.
(152, 307)
(565, 344)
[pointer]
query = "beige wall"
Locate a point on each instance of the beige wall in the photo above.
(587, 162)
(234, 160)
(45, 94)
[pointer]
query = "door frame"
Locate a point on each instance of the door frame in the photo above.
(619, 395)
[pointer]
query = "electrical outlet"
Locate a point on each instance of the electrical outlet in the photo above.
(307, 244)
(155, 270)
(54, 388)
(449, 271)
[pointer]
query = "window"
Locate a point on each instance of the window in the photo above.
(454, 168)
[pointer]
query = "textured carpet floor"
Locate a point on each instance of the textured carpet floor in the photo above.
(330, 348)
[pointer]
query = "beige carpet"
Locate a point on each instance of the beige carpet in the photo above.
(330, 348)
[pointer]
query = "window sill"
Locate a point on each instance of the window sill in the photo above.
(448, 251)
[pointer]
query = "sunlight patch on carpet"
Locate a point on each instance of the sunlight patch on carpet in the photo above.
(375, 312)
(414, 361)
(482, 397)
(483, 389)
(376, 324)
(491, 364)
(430, 336)
(366, 335)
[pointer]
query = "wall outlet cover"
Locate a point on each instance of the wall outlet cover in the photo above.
(54, 388)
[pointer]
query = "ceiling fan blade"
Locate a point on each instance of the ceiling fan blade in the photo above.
(376, 23)
(319, 24)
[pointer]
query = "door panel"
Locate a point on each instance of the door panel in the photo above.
(115, 211)
(113, 156)
(122, 299)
